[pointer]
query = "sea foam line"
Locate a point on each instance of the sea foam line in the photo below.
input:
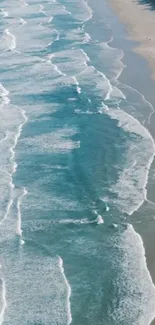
(12, 149)
(5, 138)
(12, 38)
(78, 89)
(135, 126)
(9, 204)
(41, 10)
(98, 220)
(14, 165)
(50, 56)
(69, 315)
(19, 229)
(4, 302)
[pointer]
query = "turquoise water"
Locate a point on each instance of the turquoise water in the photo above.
(75, 156)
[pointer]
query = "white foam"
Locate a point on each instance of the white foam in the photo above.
(139, 108)
(23, 21)
(114, 225)
(77, 35)
(130, 188)
(4, 12)
(71, 62)
(80, 10)
(107, 208)
(4, 303)
(3, 92)
(134, 279)
(99, 220)
(68, 12)
(78, 88)
(50, 19)
(42, 10)
(54, 142)
(113, 58)
(97, 81)
(43, 280)
(24, 3)
(12, 149)
(5, 138)
(69, 315)
(19, 201)
(9, 40)
(7, 209)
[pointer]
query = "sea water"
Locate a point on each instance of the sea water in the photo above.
(75, 157)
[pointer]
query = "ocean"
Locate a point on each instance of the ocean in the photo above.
(75, 152)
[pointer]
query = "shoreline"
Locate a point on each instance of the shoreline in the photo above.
(139, 20)
(132, 35)
(139, 33)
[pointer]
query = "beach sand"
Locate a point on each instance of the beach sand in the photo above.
(140, 22)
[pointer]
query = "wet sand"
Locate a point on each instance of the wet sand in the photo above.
(140, 22)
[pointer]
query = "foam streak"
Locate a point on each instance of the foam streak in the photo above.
(69, 315)
(4, 304)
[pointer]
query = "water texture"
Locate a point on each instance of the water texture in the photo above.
(75, 157)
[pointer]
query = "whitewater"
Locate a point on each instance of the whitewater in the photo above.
(75, 158)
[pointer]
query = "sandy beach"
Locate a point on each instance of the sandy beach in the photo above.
(140, 22)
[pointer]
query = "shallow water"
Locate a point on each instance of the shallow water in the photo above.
(75, 157)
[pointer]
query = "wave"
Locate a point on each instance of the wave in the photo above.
(5, 138)
(97, 81)
(70, 62)
(77, 35)
(77, 85)
(23, 21)
(8, 145)
(135, 280)
(4, 302)
(4, 95)
(19, 200)
(4, 12)
(9, 39)
(24, 3)
(73, 63)
(130, 189)
(42, 10)
(55, 66)
(113, 58)
(140, 107)
(68, 12)
(69, 315)
(80, 10)
(98, 220)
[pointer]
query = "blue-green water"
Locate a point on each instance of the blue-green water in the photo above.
(75, 156)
